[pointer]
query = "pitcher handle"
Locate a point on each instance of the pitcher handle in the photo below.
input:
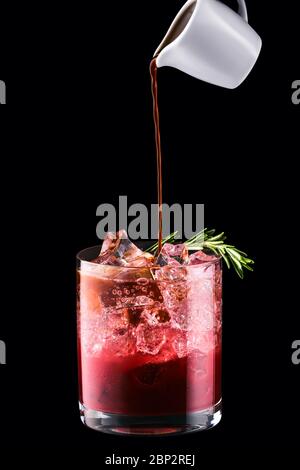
(243, 10)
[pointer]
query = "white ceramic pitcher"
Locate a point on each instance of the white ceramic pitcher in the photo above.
(211, 42)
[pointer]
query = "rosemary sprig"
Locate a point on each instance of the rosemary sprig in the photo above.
(216, 243)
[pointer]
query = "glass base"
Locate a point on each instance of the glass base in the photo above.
(151, 425)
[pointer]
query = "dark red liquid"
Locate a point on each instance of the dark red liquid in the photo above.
(135, 385)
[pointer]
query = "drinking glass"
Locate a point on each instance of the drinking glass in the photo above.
(149, 346)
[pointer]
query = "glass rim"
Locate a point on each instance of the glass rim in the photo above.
(79, 257)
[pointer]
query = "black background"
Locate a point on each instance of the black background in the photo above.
(78, 132)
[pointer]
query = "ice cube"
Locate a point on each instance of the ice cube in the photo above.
(172, 282)
(114, 320)
(150, 339)
(117, 249)
(129, 294)
(111, 240)
(161, 260)
(173, 255)
(201, 257)
(180, 343)
(109, 258)
(111, 330)
(156, 315)
(149, 317)
(169, 273)
(122, 342)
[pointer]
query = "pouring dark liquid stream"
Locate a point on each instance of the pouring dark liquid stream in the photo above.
(153, 73)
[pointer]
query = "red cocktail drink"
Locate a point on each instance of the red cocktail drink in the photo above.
(149, 344)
